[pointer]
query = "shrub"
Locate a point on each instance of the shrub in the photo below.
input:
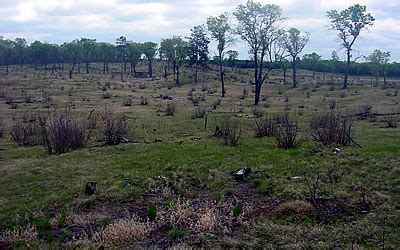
(228, 129)
(128, 101)
(331, 128)
(114, 127)
(195, 101)
(332, 104)
(26, 235)
(62, 132)
(106, 95)
(294, 207)
(27, 131)
(170, 109)
(257, 112)
(285, 131)
(2, 128)
(198, 113)
(152, 212)
(264, 126)
(123, 231)
(144, 100)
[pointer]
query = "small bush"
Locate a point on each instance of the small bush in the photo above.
(264, 126)
(144, 100)
(228, 128)
(114, 127)
(198, 113)
(332, 104)
(122, 231)
(331, 128)
(195, 101)
(294, 207)
(152, 212)
(257, 112)
(285, 131)
(170, 109)
(62, 132)
(2, 128)
(107, 95)
(27, 131)
(127, 101)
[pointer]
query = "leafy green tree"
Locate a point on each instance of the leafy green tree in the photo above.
(150, 50)
(198, 48)
(333, 63)
(134, 52)
(106, 52)
(349, 23)
(88, 47)
(312, 60)
(220, 30)
(261, 27)
(121, 44)
(233, 55)
(73, 52)
(379, 59)
(176, 50)
(20, 47)
(295, 43)
(6, 52)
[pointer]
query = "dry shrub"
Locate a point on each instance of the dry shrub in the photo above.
(123, 231)
(264, 126)
(294, 207)
(198, 113)
(257, 112)
(127, 101)
(2, 128)
(27, 235)
(144, 100)
(62, 132)
(170, 109)
(179, 213)
(208, 220)
(114, 127)
(106, 95)
(27, 131)
(331, 128)
(228, 128)
(285, 131)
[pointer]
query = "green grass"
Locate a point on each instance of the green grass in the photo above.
(31, 180)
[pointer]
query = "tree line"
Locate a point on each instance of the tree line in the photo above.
(260, 26)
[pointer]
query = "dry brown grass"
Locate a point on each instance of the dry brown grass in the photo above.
(294, 207)
(122, 231)
(26, 234)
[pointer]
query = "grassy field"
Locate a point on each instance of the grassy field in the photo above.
(171, 185)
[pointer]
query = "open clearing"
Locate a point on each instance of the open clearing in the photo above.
(172, 184)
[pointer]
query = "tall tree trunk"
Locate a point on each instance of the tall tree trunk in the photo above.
(256, 96)
(71, 70)
(294, 73)
(174, 66)
(222, 73)
(6, 68)
(79, 67)
(150, 69)
(346, 76)
(195, 73)
(87, 67)
(177, 75)
(284, 76)
(384, 79)
(104, 66)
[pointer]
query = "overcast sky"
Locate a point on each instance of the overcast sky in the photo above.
(57, 21)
